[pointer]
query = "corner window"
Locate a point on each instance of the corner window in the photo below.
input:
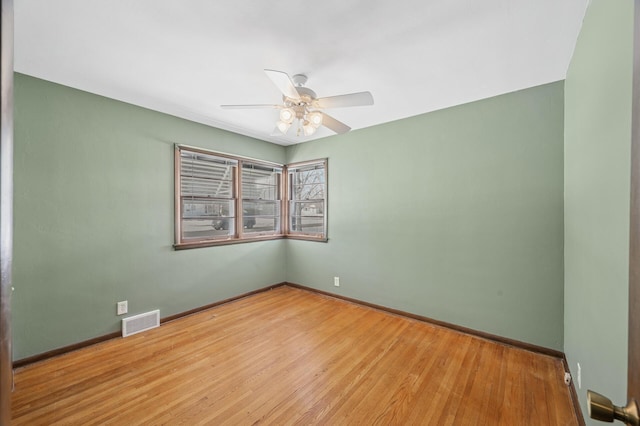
(224, 199)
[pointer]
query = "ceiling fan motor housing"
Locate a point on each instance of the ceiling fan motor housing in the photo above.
(307, 96)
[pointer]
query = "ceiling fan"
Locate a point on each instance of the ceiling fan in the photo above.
(301, 103)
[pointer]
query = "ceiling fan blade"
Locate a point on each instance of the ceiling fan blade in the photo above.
(333, 124)
(340, 101)
(284, 83)
(249, 106)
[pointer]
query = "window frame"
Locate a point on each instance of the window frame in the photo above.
(278, 200)
(239, 235)
(299, 235)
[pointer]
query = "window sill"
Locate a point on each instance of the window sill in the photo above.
(307, 238)
(226, 242)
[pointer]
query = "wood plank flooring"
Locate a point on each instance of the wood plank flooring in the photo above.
(289, 356)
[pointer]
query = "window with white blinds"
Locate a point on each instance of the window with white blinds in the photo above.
(207, 196)
(307, 197)
(261, 200)
(222, 199)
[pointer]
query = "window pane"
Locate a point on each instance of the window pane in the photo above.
(307, 184)
(260, 208)
(257, 191)
(259, 173)
(200, 229)
(207, 218)
(199, 187)
(308, 175)
(261, 217)
(260, 182)
(313, 191)
(307, 193)
(306, 217)
(204, 175)
(261, 199)
(206, 196)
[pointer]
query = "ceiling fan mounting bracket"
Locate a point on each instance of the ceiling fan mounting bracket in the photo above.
(299, 79)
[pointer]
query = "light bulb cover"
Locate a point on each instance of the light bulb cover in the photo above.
(283, 127)
(287, 115)
(308, 128)
(315, 118)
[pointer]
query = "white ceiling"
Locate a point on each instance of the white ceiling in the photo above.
(188, 57)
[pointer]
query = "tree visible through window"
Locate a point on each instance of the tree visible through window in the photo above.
(307, 199)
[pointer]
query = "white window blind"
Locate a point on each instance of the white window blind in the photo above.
(261, 199)
(223, 199)
(207, 195)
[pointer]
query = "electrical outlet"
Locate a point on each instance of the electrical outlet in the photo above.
(336, 281)
(122, 307)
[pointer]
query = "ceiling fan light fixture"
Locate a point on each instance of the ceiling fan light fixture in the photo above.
(283, 127)
(308, 128)
(300, 104)
(315, 118)
(287, 115)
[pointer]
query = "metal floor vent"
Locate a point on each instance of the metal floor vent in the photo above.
(141, 322)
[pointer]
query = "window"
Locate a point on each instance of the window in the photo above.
(207, 196)
(261, 201)
(222, 199)
(307, 199)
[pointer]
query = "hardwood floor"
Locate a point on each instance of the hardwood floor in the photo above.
(289, 356)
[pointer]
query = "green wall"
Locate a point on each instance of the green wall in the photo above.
(94, 218)
(597, 173)
(456, 215)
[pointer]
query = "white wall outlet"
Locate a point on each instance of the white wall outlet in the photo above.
(122, 307)
(336, 281)
(579, 378)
